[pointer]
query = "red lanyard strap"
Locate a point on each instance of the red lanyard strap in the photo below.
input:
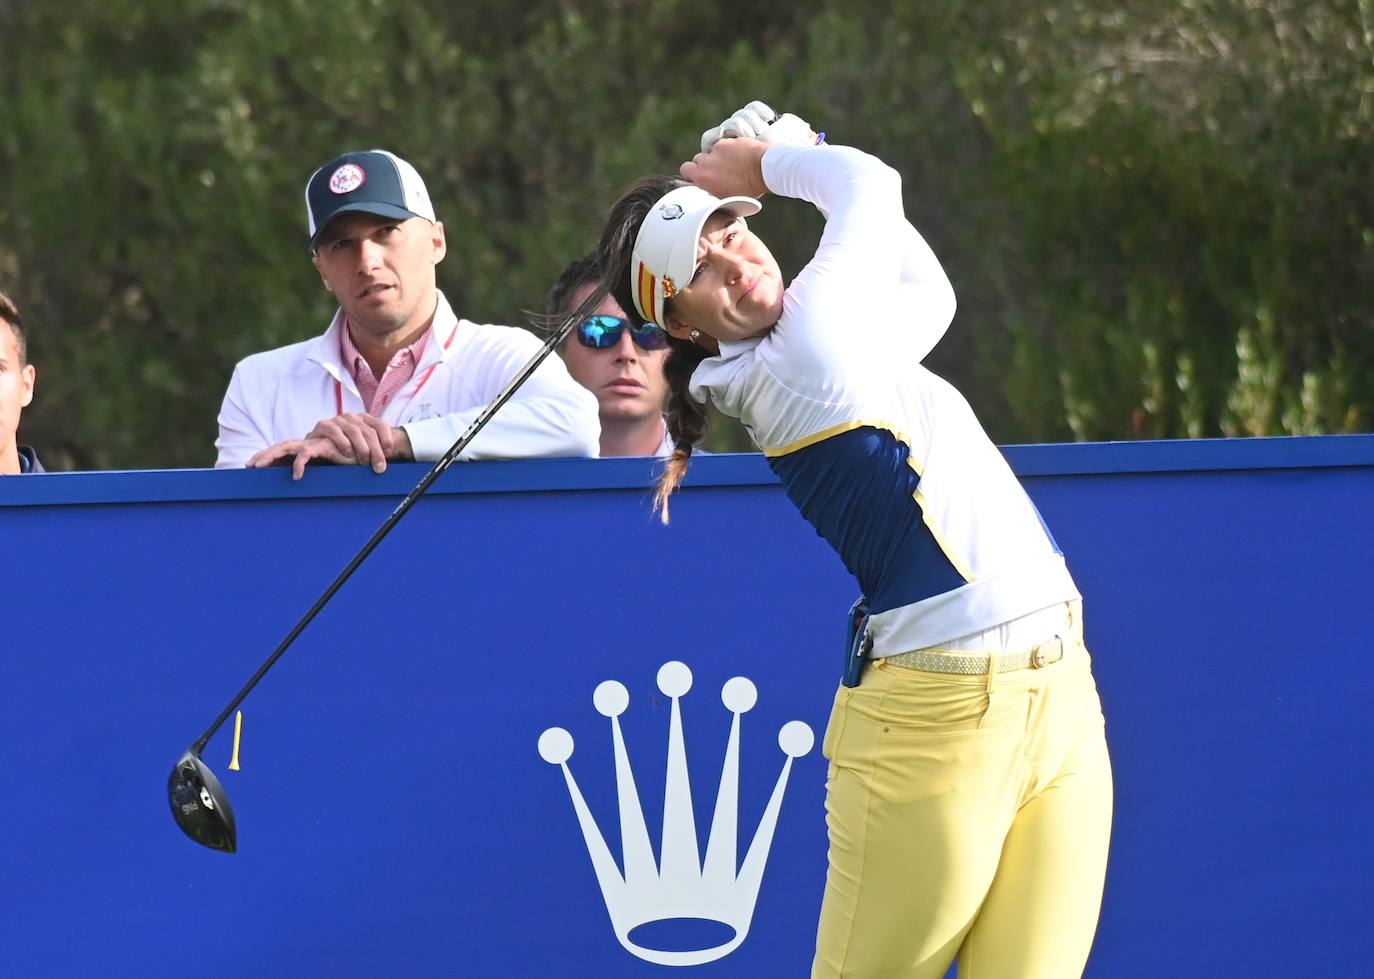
(338, 385)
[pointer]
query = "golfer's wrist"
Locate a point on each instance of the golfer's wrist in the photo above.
(760, 186)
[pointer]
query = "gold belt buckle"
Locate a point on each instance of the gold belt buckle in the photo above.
(1050, 651)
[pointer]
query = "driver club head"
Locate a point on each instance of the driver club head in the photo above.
(200, 806)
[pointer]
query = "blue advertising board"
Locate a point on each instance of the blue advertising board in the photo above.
(538, 734)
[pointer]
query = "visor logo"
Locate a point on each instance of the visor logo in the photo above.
(347, 179)
(671, 212)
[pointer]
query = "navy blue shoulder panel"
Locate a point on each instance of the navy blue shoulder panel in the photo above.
(858, 490)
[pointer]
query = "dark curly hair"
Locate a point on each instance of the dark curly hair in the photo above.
(584, 270)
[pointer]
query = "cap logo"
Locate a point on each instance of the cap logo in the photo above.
(347, 179)
(670, 212)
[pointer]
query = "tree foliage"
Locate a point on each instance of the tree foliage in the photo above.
(1159, 219)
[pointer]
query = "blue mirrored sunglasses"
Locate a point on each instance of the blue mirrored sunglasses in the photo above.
(603, 333)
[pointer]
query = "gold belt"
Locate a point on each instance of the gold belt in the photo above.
(976, 664)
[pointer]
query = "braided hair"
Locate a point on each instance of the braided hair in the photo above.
(687, 418)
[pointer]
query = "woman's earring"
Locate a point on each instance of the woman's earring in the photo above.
(695, 335)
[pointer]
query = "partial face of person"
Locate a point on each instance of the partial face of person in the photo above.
(16, 384)
(381, 270)
(736, 290)
(627, 380)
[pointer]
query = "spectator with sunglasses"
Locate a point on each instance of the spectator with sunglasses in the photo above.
(16, 391)
(398, 375)
(620, 363)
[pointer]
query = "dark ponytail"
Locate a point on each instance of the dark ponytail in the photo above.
(687, 418)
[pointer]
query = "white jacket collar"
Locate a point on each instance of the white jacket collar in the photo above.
(327, 350)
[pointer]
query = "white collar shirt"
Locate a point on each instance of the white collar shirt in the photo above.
(280, 395)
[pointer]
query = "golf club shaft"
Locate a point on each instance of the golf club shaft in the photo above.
(435, 471)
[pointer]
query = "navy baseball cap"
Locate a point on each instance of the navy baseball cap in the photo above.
(367, 182)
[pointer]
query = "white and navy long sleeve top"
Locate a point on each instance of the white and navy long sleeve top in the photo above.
(885, 459)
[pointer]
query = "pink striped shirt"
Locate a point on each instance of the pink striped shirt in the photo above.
(377, 392)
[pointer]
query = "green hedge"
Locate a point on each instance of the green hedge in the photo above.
(1160, 221)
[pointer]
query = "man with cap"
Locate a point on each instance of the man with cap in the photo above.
(397, 375)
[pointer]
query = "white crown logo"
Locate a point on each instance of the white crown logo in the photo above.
(681, 886)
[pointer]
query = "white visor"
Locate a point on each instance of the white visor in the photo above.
(665, 254)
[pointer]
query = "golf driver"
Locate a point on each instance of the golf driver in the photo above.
(198, 801)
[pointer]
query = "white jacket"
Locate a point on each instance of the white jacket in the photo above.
(281, 394)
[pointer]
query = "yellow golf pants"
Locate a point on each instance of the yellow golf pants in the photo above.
(969, 816)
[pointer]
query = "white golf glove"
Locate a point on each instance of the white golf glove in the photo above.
(757, 121)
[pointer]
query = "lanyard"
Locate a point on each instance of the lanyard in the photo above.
(424, 378)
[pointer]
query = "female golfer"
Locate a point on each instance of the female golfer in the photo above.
(969, 791)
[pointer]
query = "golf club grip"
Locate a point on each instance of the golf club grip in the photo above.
(434, 473)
